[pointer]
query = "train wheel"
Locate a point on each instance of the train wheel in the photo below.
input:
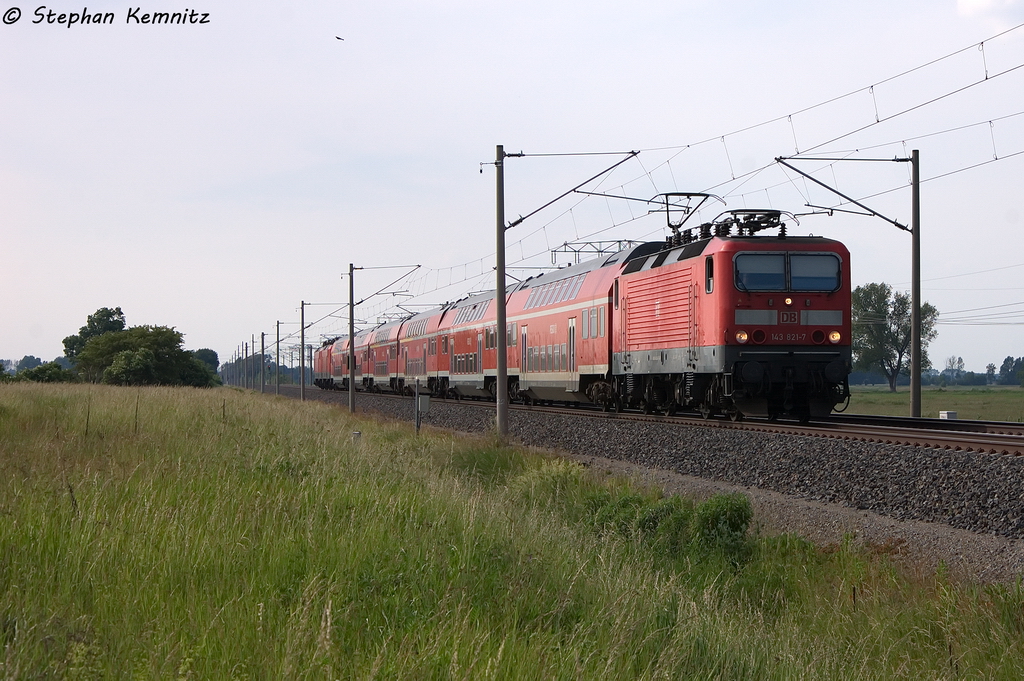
(706, 411)
(735, 415)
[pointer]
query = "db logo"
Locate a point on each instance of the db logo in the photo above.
(788, 318)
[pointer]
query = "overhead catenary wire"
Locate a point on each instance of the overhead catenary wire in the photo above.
(736, 182)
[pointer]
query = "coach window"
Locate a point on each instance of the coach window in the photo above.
(584, 323)
(444, 345)
(600, 321)
(709, 274)
(593, 322)
(616, 294)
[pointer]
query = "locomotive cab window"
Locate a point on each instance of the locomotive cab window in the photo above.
(709, 274)
(814, 272)
(761, 271)
(787, 271)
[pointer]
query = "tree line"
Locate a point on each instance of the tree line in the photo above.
(881, 342)
(106, 350)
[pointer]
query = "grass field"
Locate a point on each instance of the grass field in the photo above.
(212, 534)
(988, 403)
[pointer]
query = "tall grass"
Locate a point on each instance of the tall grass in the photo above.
(226, 535)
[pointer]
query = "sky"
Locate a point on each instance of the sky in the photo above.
(212, 175)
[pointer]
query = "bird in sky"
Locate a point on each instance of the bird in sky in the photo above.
(339, 38)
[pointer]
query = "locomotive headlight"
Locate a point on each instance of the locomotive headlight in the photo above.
(789, 301)
(741, 336)
(835, 337)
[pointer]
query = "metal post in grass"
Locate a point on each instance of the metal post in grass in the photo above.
(277, 361)
(351, 340)
(263, 361)
(302, 354)
(501, 379)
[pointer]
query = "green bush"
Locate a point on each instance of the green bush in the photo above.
(667, 525)
(132, 367)
(722, 522)
(50, 372)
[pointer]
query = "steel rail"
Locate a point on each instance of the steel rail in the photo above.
(990, 437)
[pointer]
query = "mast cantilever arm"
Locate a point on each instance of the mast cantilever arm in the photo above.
(855, 202)
(520, 219)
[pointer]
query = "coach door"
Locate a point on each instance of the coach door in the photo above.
(574, 371)
(524, 356)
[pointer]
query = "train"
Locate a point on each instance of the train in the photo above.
(720, 319)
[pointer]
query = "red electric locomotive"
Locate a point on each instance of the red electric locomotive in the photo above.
(722, 321)
(735, 322)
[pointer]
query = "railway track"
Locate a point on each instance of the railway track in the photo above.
(992, 437)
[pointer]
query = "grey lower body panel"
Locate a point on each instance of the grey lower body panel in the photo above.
(720, 359)
(710, 360)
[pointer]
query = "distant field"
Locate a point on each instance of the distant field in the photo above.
(215, 534)
(988, 403)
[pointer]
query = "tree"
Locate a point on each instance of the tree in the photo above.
(51, 372)
(954, 368)
(1009, 369)
(207, 357)
(882, 330)
(103, 320)
(990, 374)
(28, 362)
(165, 363)
(132, 367)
